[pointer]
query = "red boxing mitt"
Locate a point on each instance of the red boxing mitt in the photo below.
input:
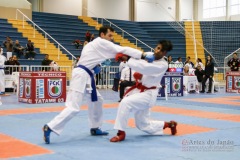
(137, 76)
(121, 57)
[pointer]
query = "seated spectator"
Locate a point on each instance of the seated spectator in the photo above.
(87, 36)
(199, 62)
(46, 62)
(13, 64)
(234, 63)
(53, 66)
(189, 63)
(18, 49)
(30, 54)
(77, 43)
(92, 38)
(187, 71)
(126, 80)
(117, 77)
(179, 62)
(170, 59)
(199, 72)
(7, 69)
(8, 44)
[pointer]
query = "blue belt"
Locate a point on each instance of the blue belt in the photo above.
(1, 68)
(94, 91)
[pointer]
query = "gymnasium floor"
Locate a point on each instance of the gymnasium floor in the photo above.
(209, 127)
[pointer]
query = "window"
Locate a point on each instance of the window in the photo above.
(235, 7)
(214, 8)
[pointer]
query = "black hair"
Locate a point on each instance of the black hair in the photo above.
(199, 59)
(104, 29)
(166, 45)
(211, 59)
(179, 58)
(235, 53)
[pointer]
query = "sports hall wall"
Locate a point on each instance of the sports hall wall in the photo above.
(8, 8)
(144, 10)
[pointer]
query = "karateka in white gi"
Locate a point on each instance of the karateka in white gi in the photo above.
(141, 97)
(83, 85)
(2, 74)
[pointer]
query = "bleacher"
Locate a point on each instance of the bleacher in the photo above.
(162, 30)
(150, 33)
(220, 38)
(8, 30)
(135, 30)
(64, 28)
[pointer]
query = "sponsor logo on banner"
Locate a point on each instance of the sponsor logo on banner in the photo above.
(229, 80)
(167, 84)
(237, 82)
(176, 84)
(191, 85)
(39, 88)
(179, 69)
(172, 70)
(21, 87)
(55, 87)
(28, 87)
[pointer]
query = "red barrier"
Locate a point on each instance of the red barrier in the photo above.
(233, 82)
(42, 87)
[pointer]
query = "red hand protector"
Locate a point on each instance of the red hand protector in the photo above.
(121, 57)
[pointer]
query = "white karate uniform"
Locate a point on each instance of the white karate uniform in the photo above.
(93, 53)
(125, 75)
(2, 74)
(141, 102)
(122, 65)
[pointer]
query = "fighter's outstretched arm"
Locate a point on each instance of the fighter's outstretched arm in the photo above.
(112, 49)
(146, 68)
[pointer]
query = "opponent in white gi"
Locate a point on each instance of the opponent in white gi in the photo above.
(142, 96)
(2, 74)
(83, 85)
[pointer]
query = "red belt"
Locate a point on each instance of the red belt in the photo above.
(139, 86)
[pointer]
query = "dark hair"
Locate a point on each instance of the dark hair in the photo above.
(104, 29)
(169, 56)
(179, 58)
(235, 53)
(211, 58)
(166, 45)
(199, 59)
